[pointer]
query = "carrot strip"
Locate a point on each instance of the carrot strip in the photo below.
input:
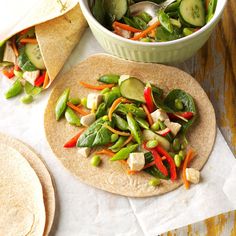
(29, 40)
(187, 159)
(96, 87)
(125, 27)
(150, 120)
(114, 106)
(15, 48)
(77, 109)
(129, 139)
(146, 31)
(116, 131)
(106, 152)
(46, 80)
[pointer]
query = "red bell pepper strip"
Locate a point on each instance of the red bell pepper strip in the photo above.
(8, 72)
(158, 160)
(163, 152)
(72, 142)
(186, 115)
(148, 98)
(40, 80)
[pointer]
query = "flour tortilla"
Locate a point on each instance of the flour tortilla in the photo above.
(112, 176)
(42, 172)
(21, 197)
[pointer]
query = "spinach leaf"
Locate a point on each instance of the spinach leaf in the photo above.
(95, 135)
(189, 105)
(162, 35)
(153, 169)
(23, 61)
(99, 11)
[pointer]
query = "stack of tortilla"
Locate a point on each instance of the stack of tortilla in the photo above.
(27, 197)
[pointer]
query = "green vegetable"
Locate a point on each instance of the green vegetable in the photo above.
(30, 33)
(101, 111)
(14, 90)
(165, 21)
(116, 8)
(61, 103)
(117, 146)
(175, 22)
(178, 104)
(131, 108)
(109, 79)
(155, 126)
(6, 64)
(140, 23)
(211, 10)
(105, 118)
(123, 154)
(120, 123)
(182, 154)
(18, 74)
(132, 88)
(114, 137)
(156, 91)
(84, 102)
(27, 99)
(188, 31)
(96, 134)
(75, 101)
(110, 97)
(134, 128)
(152, 143)
(172, 154)
(71, 117)
(173, 6)
(176, 145)
(143, 123)
(95, 161)
(130, 22)
(32, 90)
(24, 62)
(145, 16)
(154, 182)
(99, 11)
(145, 40)
(105, 90)
(177, 159)
(162, 35)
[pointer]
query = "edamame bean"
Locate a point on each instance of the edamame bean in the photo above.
(176, 145)
(177, 159)
(155, 126)
(154, 182)
(27, 99)
(179, 105)
(84, 102)
(105, 118)
(114, 137)
(95, 161)
(152, 143)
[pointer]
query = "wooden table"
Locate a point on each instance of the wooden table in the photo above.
(214, 67)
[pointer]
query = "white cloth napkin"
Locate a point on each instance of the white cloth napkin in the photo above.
(83, 210)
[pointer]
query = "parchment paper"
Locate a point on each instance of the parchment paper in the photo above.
(83, 210)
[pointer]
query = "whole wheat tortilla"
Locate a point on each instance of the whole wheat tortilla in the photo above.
(57, 38)
(42, 172)
(112, 176)
(21, 197)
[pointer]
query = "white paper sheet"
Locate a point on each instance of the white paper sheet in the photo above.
(83, 210)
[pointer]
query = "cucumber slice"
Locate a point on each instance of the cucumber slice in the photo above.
(192, 12)
(133, 89)
(33, 53)
(116, 8)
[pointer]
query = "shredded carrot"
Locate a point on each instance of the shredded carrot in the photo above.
(77, 109)
(46, 80)
(146, 31)
(129, 139)
(96, 87)
(106, 152)
(25, 31)
(125, 27)
(29, 40)
(188, 158)
(149, 117)
(114, 106)
(116, 131)
(132, 172)
(15, 50)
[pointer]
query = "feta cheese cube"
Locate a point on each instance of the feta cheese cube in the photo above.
(88, 119)
(173, 126)
(93, 100)
(9, 54)
(31, 76)
(136, 161)
(84, 151)
(159, 114)
(192, 175)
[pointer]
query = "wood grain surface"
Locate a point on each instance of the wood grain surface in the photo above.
(214, 67)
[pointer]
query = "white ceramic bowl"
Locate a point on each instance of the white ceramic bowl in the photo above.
(162, 52)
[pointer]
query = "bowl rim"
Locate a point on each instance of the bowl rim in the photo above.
(88, 14)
